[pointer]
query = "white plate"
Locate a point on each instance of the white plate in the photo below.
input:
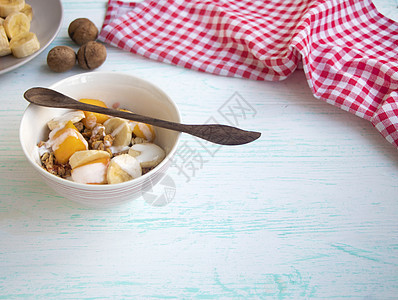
(46, 23)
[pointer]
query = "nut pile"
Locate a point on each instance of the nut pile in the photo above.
(90, 55)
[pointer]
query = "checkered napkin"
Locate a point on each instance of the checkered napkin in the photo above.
(348, 50)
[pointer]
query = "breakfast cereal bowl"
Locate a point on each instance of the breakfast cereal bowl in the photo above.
(131, 93)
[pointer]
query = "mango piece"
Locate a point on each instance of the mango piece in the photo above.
(93, 118)
(93, 172)
(144, 131)
(67, 141)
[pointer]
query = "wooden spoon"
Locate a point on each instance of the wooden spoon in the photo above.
(215, 133)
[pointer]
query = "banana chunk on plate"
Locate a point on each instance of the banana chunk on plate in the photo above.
(149, 155)
(28, 11)
(15, 18)
(9, 6)
(16, 23)
(24, 44)
(4, 43)
(123, 168)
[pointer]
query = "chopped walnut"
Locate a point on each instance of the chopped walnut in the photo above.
(99, 140)
(98, 132)
(97, 145)
(79, 126)
(47, 159)
(86, 133)
(50, 164)
(108, 141)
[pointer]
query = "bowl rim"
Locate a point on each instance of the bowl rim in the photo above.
(102, 187)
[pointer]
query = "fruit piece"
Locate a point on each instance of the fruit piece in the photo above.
(66, 141)
(93, 118)
(120, 130)
(61, 120)
(149, 155)
(24, 44)
(123, 168)
(83, 157)
(82, 30)
(9, 6)
(143, 130)
(28, 11)
(16, 24)
(61, 59)
(4, 44)
(91, 55)
(94, 172)
(1, 21)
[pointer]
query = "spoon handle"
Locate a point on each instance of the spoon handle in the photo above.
(215, 133)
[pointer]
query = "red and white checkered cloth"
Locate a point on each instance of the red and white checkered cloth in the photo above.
(349, 51)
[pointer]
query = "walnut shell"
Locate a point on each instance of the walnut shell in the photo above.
(61, 59)
(82, 30)
(91, 55)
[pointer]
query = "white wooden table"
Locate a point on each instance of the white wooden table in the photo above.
(309, 210)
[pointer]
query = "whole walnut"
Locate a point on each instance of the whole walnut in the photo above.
(82, 30)
(91, 55)
(61, 59)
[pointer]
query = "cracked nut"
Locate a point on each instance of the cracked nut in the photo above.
(91, 55)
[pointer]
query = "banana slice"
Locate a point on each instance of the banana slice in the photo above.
(148, 154)
(122, 168)
(1, 21)
(4, 44)
(28, 11)
(16, 24)
(84, 157)
(120, 130)
(9, 6)
(24, 44)
(60, 121)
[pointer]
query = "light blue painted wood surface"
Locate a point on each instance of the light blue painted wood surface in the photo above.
(309, 211)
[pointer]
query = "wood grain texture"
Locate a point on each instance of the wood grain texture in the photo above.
(308, 211)
(216, 133)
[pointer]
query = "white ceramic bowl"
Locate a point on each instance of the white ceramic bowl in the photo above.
(133, 94)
